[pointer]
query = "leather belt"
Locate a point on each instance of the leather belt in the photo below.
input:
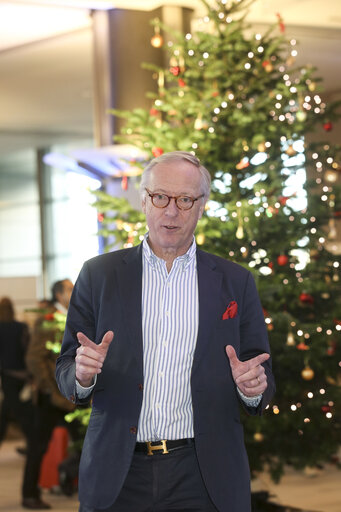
(163, 446)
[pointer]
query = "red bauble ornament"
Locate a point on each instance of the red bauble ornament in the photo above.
(331, 349)
(270, 264)
(181, 82)
(328, 126)
(153, 111)
(282, 260)
(325, 408)
(306, 298)
(302, 346)
(215, 94)
(283, 200)
(100, 217)
(175, 70)
(157, 152)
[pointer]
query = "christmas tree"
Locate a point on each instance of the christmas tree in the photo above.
(237, 101)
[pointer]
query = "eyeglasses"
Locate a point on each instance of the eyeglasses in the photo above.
(182, 202)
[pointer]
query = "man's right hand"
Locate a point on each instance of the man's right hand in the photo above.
(90, 357)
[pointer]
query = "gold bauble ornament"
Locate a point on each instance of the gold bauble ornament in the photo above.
(156, 41)
(307, 373)
(240, 232)
(290, 339)
(291, 151)
(258, 436)
(198, 124)
(301, 116)
(331, 176)
(261, 147)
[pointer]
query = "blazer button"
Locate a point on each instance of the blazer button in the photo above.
(72, 398)
(133, 430)
(141, 387)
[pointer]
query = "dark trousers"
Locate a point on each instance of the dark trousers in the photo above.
(44, 419)
(162, 483)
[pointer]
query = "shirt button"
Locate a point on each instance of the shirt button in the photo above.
(161, 374)
(167, 313)
(165, 343)
(133, 430)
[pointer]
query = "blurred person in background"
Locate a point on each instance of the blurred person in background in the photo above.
(14, 337)
(50, 405)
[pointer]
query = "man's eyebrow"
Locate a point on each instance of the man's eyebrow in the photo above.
(162, 191)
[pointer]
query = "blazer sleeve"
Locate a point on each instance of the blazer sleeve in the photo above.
(254, 340)
(80, 318)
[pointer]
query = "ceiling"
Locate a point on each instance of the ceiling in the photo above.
(46, 60)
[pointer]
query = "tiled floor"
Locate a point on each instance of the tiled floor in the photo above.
(314, 493)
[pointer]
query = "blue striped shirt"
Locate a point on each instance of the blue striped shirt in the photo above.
(170, 319)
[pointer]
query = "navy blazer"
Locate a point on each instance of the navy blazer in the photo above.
(107, 296)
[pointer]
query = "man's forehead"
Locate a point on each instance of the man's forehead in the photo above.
(175, 172)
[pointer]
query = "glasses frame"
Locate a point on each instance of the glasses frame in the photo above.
(193, 199)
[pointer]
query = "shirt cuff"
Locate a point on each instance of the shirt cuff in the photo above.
(84, 392)
(250, 401)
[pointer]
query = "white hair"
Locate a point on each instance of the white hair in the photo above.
(176, 156)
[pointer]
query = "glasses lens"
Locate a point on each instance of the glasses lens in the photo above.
(184, 203)
(160, 200)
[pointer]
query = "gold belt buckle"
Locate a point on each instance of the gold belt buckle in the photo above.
(161, 446)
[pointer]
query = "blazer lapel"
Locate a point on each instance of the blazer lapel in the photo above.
(129, 277)
(209, 284)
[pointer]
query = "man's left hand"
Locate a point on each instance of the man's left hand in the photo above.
(249, 376)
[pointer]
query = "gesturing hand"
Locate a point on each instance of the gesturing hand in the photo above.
(90, 357)
(249, 375)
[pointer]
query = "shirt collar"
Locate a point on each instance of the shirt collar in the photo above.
(185, 259)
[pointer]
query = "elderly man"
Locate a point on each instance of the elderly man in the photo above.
(167, 341)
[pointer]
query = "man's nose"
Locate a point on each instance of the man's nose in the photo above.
(171, 208)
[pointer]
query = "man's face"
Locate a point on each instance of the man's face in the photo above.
(65, 296)
(171, 229)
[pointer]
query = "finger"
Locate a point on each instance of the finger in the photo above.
(85, 341)
(107, 339)
(88, 370)
(253, 383)
(251, 375)
(231, 354)
(85, 353)
(258, 360)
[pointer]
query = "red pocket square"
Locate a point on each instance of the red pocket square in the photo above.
(231, 310)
